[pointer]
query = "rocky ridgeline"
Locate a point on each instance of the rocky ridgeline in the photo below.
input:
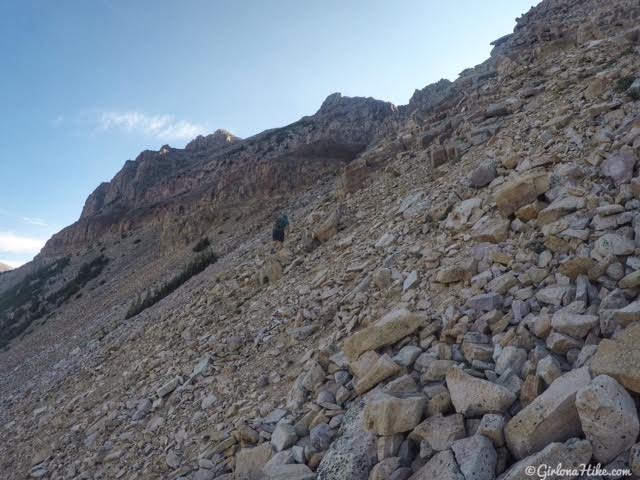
(183, 189)
(463, 307)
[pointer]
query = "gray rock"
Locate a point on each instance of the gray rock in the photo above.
(551, 417)
(548, 369)
(173, 458)
(321, 436)
(556, 295)
(492, 426)
(386, 240)
(574, 452)
(289, 472)
(474, 396)
(572, 324)
(485, 302)
(619, 167)
(204, 474)
(442, 466)
(353, 454)
(382, 369)
(634, 459)
(168, 387)
(614, 244)
(440, 432)
(411, 281)
(208, 401)
(407, 355)
(284, 457)
(476, 457)
(143, 408)
(388, 415)
(511, 357)
(482, 175)
(608, 416)
(384, 468)
(251, 461)
(560, 343)
(403, 473)
(388, 445)
(283, 437)
(392, 327)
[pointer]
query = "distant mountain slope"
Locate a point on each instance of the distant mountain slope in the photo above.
(4, 267)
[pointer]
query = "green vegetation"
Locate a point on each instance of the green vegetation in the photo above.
(202, 244)
(87, 272)
(23, 303)
(26, 302)
(152, 297)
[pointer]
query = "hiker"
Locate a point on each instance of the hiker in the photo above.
(280, 226)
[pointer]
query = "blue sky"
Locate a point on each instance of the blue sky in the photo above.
(87, 85)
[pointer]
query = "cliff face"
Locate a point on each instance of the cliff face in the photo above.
(221, 170)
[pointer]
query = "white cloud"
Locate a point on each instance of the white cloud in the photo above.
(11, 243)
(35, 221)
(163, 127)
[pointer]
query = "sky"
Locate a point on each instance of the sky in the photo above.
(87, 85)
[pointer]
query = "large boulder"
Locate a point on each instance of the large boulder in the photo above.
(283, 437)
(329, 227)
(490, 229)
(571, 454)
(442, 466)
(389, 415)
(474, 396)
(551, 417)
(251, 461)
(353, 453)
(521, 191)
(608, 416)
(382, 369)
(619, 358)
(619, 167)
(614, 244)
(293, 471)
(482, 175)
(440, 432)
(573, 324)
(476, 457)
(392, 327)
(271, 272)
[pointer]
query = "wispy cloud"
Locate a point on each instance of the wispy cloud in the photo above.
(12, 243)
(35, 221)
(163, 127)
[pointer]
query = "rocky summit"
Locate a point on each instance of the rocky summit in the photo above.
(457, 297)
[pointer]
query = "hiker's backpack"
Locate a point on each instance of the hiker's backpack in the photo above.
(282, 222)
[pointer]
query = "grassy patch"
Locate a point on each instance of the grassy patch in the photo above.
(152, 297)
